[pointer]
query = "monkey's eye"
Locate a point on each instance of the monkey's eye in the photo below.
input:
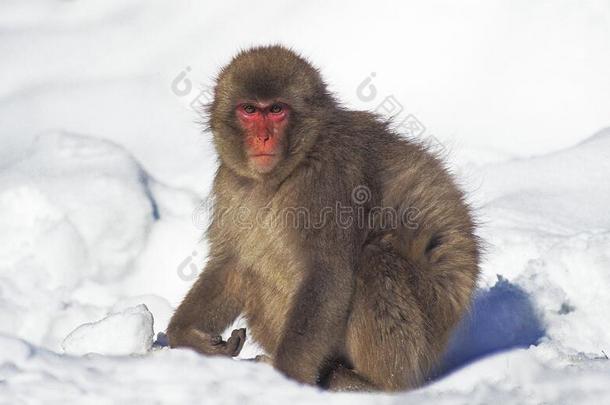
(249, 108)
(276, 109)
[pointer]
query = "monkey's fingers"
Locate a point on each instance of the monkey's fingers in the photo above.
(242, 339)
(220, 347)
(205, 343)
(235, 342)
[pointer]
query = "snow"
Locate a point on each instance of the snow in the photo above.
(104, 174)
(118, 334)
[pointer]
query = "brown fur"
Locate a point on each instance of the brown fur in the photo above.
(363, 307)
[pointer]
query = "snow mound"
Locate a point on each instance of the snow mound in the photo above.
(75, 211)
(106, 225)
(121, 333)
(159, 306)
(562, 193)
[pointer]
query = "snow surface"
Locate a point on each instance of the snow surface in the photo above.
(103, 171)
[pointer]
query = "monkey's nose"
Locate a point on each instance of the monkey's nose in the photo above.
(263, 137)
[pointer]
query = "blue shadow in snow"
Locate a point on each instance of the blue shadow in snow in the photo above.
(500, 318)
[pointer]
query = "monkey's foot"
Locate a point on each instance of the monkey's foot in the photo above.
(344, 379)
(263, 358)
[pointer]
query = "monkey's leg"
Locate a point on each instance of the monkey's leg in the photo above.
(208, 308)
(342, 378)
(316, 323)
(387, 341)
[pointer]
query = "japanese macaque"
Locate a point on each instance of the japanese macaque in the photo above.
(348, 249)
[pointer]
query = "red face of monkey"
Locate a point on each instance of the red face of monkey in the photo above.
(264, 124)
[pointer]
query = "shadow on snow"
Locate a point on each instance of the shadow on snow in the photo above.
(500, 318)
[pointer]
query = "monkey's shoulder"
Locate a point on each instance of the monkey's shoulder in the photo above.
(361, 143)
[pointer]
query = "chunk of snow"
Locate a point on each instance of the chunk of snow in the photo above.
(158, 306)
(122, 333)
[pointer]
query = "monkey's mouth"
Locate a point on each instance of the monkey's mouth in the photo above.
(262, 155)
(263, 162)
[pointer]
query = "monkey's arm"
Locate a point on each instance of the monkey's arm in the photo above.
(209, 307)
(318, 317)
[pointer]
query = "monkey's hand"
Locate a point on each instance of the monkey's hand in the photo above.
(206, 343)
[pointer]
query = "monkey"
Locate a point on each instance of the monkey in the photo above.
(338, 295)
